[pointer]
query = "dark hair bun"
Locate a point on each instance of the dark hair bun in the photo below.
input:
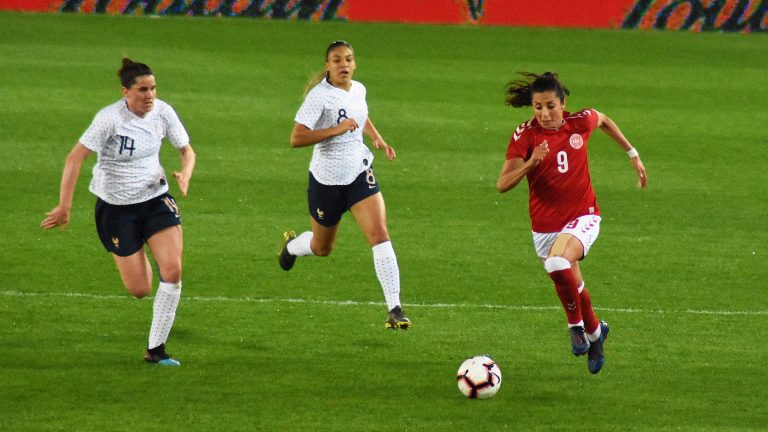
(130, 70)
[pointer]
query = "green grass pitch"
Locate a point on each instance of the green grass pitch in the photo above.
(679, 270)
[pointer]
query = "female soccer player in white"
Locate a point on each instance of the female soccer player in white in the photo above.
(550, 150)
(133, 205)
(333, 117)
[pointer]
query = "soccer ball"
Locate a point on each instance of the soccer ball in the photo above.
(479, 377)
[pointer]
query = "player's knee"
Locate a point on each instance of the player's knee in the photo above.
(139, 290)
(556, 263)
(322, 250)
(379, 240)
(378, 236)
(171, 272)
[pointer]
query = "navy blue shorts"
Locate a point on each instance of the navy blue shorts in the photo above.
(328, 203)
(123, 229)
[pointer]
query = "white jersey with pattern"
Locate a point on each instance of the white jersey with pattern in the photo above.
(340, 159)
(128, 169)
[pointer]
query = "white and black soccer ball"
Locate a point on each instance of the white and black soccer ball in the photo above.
(479, 377)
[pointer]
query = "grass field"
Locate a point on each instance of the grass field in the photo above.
(679, 270)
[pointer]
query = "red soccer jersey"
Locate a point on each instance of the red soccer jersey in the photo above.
(560, 187)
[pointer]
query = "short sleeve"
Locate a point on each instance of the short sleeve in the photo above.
(174, 129)
(585, 120)
(311, 110)
(98, 132)
(519, 143)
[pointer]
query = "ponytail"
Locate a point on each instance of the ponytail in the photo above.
(315, 80)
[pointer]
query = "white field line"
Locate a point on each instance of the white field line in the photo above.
(370, 303)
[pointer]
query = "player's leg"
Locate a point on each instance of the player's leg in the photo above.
(586, 231)
(326, 206)
(161, 229)
(596, 330)
(320, 242)
(323, 239)
(566, 250)
(370, 214)
(136, 273)
(591, 322)
(167, 247)
(120, 233)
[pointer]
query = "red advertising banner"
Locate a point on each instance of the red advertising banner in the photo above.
(582, 13)
(26, 5)
(690, 15)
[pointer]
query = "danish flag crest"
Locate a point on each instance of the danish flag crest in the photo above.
(576, 141)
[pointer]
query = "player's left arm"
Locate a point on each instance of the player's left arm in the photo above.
(612, 130)
(183, 176)
(378, 141)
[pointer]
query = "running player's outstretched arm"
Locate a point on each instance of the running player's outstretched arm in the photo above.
(612, 130)
(59, 216)
(378, 141)
(188, 160)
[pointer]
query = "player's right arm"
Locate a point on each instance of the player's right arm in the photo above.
(302, 136)
(514, 169)
(59, 216)
(305, 131)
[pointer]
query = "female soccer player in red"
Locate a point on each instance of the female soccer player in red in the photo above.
(550, 150)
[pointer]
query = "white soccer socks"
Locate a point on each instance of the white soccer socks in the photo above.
(164, 312)
(388, 272)
(300, 246)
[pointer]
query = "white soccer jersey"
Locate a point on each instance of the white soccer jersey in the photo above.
(128, 169)
(338, 160)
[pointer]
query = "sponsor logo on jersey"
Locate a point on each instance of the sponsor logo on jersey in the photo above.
(576, 141)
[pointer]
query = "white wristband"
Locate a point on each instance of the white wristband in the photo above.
(632, 153)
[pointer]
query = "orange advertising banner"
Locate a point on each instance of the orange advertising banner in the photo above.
(689, 15)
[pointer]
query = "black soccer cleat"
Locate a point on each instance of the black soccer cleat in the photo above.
(398, 320)
(579, 341)
(157, 355)
(286, 259)
(596, 356)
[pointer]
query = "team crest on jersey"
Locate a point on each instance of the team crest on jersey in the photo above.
(576, 141)
(320, 214)
(116, 242)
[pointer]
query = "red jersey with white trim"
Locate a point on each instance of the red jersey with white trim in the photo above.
(560, 187)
